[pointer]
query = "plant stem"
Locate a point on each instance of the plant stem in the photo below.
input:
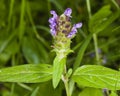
(65, 80)
(115, 3)
(96, 47)
(12, 89)
(94, 35)
(67, 88)
(88, 8)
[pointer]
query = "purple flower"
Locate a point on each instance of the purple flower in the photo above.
(68, 12)
(53, 22)
(74, 29)
(62, 24)
(53, 13)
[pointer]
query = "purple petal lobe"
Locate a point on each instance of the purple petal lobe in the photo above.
(54, 13)
(53, 32)
(53, 22)
(74, 29)
(68, 12)
(78, 25)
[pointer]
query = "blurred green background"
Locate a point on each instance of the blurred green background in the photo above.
(25, 38)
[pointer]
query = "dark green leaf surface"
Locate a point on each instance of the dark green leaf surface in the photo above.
(30, 73)
(102, 19)
(34, 51)
(7, 51)
(97, 76)
(91, 92)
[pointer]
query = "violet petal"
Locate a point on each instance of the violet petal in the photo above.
(78, 25)
(53, 23)
(68, 12)
(53, 32)
(74, 29)
(54, 13)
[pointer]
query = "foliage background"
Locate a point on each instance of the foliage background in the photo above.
(25, 38)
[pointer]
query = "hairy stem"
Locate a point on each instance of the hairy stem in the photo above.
(66, 83)
(67, 89)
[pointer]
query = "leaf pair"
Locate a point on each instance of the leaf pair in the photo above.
(88, 75)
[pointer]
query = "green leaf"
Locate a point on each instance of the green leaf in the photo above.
(58, 67)
(30, 73)
(91, 92)
(81, 51)
(97, 76)
(8, 51)
(100, 20)
(46, 89)
(34, 51)
(34, 93)
(113, 93)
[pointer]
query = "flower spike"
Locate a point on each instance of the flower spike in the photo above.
(63, 31)
(62, 24)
